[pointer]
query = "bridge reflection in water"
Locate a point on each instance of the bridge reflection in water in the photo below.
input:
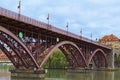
(63, 75)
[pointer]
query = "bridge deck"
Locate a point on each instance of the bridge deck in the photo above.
(35, 26)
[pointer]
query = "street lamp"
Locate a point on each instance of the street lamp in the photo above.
(48, 18)
(67, 26)
(81, 33)
(19, 9)
(91, 36)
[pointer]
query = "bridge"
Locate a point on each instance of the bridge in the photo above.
(28, 43)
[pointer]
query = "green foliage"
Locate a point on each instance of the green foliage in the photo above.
(56, 60)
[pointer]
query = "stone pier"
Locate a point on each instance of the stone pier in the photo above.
(28, 73)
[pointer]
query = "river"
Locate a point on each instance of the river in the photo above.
(64, 75)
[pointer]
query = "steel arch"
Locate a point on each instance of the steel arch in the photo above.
(57, 46)
(20, 42)
(68, 58)
(95, 52)
(8, 54)
(12, 47)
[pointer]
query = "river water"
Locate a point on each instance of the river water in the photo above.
(64, 75)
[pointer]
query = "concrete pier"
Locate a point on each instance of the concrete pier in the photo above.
(25, 73)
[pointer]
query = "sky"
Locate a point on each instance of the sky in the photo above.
(99, 17)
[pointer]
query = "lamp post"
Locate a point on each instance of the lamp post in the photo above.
(91, 36)
(19, 9)
(67, 26)
(48, 18)
(81, 33)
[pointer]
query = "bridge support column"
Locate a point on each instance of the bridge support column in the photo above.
(28, 73)
(110, 58)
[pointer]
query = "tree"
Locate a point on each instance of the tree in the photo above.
(56, 60)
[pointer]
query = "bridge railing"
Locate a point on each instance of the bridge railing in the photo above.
(25, 19)
(16, 16)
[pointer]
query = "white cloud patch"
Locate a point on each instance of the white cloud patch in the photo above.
(92, 25)
(104, 2)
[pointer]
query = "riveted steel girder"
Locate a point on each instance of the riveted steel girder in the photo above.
(57, 46)
(29, 54)
(99, 57)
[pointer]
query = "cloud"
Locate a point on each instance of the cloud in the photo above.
(104, 2)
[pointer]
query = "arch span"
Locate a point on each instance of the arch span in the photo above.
(101, 52)
(4, 30)
(59, 45)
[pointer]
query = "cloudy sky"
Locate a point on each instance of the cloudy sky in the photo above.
(99, 17)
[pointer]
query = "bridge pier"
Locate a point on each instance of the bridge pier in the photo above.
(110, 57)
(28, 73)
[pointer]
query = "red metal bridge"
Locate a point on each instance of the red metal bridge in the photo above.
(28, 43)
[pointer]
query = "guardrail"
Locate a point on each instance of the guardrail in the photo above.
(25, 19)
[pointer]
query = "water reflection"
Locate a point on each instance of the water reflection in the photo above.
(56, 73)
(51, 75)
(4, 76)
(19, 78)
(93, 75)
(64, 75)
